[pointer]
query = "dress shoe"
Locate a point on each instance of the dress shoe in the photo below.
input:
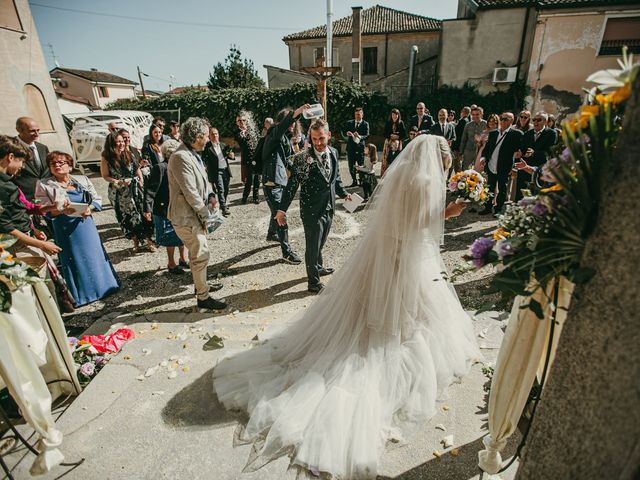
(177, 270)
(256, 201)
(226, 212)
(214, 287)
(325, 271)
(211, 304)
(244, 201)
(183, 264)
(317, 288)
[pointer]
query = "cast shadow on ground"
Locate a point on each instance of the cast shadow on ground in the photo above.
(462, 241)
(197, 405)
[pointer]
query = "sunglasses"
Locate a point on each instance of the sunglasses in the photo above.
(524, 116)
(538, 120)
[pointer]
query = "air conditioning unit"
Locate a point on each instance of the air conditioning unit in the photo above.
(504, 74)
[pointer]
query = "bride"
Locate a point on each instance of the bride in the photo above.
(377, 347)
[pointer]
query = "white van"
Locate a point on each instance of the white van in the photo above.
(89, 131)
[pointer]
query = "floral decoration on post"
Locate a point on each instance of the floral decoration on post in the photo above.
(14, 274)
(543, 237)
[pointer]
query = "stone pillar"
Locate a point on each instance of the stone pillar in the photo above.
(356, 69)
(588, 422)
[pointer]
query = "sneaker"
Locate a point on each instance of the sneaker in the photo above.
(293, 259)
(317, 288)
(211, 304)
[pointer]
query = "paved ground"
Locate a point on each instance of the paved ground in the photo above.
(150, 413)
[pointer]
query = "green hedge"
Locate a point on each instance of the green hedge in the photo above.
(221, 106)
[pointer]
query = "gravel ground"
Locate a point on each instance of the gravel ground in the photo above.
(250, 268)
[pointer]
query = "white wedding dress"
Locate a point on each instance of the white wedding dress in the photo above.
(374, 350)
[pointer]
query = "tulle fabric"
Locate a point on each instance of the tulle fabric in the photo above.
(374, 351)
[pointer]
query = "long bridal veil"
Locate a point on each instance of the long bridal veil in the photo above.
(374, 350)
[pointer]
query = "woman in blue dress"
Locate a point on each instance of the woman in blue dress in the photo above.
(84, 262)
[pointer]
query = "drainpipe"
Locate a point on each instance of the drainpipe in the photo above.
(356, 38)
(522, 40)
(329, 54)
(412, 61)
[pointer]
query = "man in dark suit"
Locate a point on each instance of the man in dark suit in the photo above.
(356, 131)
(216, 156)
(318, 172)
(276, 153)
(35, 168)
(443, 128)
(422, 119)
(536, 149)
(498, 156)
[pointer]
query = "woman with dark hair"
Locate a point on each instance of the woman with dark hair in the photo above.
(493, 122)
(151, 149)
(394, 129)
(247, 135)
(552, 123)
(126, 192)
(84, 262)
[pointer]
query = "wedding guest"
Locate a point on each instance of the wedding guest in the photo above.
(157, 204)
(455, 146)
(394, 129)
(552, 124)
(190, 196)
(276, 163)
(471, 135)
(524, 121)
(135, 152)
(160, 123)
(151, 149)
(174, 129)
(443, 128)
(394, 150)
(356, 131)
(247, 136)
(421, 119)
(268, 123)
(216, 156)
(493, 122)
(413, 133)
(498, 157)
(536, 149)
(368, 178)
(83, 259)
(35, 167)
(451, 117)
(126, 192)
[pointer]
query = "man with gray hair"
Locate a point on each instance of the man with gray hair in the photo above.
(189, 198)
(318, 172)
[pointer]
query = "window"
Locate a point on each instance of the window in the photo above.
(9, 15)
(369, 60)
(319, 52)
(103, 92)
(37, 107)
(620, 31)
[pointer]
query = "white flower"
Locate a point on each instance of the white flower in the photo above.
(461, 185)
(4, 258)
(611, 79)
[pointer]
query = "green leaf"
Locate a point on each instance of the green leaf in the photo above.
(214, 343)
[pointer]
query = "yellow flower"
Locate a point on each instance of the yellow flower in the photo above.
(621, 94)
(555, 188)
(500, 234)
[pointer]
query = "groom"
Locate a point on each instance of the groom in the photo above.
(319, 176)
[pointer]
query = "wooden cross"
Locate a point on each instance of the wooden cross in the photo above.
(322, 73)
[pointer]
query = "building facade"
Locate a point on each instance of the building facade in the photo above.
(25, 85)
(99, 88)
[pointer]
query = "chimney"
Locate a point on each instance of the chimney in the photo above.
(355, 45)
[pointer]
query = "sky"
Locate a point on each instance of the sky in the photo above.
(178, 42)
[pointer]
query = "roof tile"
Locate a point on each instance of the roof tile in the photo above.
(95, 76)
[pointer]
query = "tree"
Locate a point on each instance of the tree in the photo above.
(236, 72)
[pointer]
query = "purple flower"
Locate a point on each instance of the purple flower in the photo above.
(73, 341)
(99, 360)
(453, 186)
(539, 209)
(87, 369)
(504, 248)
(525, 201)
(480, 249)
(565, 155)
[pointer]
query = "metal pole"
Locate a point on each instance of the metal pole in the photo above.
(412, 61)
(329, 54)
(144, 94)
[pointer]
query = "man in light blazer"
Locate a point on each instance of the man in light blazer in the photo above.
(189, 197)
(444, 129)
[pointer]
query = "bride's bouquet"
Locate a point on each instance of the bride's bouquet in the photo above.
(469, 185)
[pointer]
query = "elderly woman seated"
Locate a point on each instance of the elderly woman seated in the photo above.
(84, 262)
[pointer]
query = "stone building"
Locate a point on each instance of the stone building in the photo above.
(551, 45)
(25, 85)
(387, 37)
(99, 88)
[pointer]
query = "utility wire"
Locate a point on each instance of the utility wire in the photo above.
(161, 20)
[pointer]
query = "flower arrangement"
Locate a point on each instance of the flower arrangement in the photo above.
(13, 273)
(469, 185)
(87, 359)
(543, 237)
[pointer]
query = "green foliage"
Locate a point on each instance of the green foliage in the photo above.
(236, 72)
(221, 106)
(457, 97)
